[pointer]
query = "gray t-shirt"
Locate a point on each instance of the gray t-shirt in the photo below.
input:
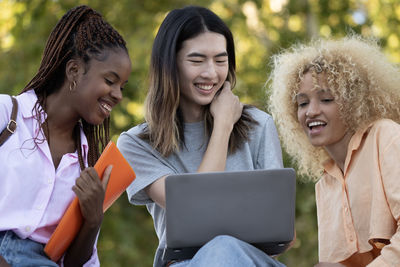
(262, 151)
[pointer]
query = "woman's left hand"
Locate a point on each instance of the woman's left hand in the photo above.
(90, 191)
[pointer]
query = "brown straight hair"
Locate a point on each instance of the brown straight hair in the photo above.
(164, 122)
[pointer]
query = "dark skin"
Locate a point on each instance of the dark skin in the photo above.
(90, 192)
(89, 189)
(97, 84)
(3, 263)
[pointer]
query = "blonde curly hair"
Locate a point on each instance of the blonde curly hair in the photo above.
(366, 86)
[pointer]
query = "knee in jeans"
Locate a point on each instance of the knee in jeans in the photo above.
(225, 242)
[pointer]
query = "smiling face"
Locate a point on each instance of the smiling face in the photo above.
(99, 87)
(203, 68)
(318, 113)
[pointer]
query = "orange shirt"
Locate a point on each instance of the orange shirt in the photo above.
(359, 212)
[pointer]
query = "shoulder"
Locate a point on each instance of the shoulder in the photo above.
(384, 132)
(384, 128)
(135, 131)
(5, 110)
(385, 124)
(258, 115)
(5, 102)
(132, 137)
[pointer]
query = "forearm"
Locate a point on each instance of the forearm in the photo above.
(156, 191)
(390, 254)
(214, 158)
(81, 249)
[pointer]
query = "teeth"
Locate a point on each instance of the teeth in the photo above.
(107, 107)
(315, 123)
(205, 86)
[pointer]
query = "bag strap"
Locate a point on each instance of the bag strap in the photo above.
(12, 124)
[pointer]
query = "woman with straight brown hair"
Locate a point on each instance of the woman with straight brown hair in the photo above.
(194, 123)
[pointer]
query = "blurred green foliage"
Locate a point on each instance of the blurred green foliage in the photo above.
(260, 27)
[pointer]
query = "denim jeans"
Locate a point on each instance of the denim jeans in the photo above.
(22, 252)
(229, 251)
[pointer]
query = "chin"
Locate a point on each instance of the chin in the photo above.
(317, 143)
(95, 121)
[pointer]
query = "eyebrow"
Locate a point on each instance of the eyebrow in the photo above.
(117, 76)
(195, 54)
(114, 74)
(319, 91)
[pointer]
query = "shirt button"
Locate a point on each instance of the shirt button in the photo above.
(49, 181)
(27, 228)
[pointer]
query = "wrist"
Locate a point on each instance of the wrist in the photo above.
(223, 125)
(94, 224)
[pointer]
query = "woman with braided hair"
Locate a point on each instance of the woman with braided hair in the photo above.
(63, 125)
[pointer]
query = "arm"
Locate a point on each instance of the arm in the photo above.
(269, 153)
(156, 191)
(226, 110)
(90, 192)
(389, 158)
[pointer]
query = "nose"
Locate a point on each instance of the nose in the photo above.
(313, 109)
(116, 93)
(209, 70)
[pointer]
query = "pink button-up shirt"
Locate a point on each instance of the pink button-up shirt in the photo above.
(359, 210)
(33, 194)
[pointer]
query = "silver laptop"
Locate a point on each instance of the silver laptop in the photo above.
(255, 206)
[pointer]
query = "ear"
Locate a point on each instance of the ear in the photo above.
(72, 69)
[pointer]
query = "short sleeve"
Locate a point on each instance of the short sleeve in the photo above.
(147, 164)
(389, 160)
(269, 154)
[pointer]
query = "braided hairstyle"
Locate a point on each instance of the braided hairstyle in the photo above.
(80, 33)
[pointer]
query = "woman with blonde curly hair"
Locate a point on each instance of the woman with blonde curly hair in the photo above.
(336, 105)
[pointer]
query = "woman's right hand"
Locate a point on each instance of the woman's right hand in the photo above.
(90, 191)
(226, 107)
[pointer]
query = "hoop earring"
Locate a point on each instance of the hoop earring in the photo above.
(72, 86)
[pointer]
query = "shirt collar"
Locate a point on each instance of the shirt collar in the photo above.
(84, 145)
(27, 102)
(330, 166)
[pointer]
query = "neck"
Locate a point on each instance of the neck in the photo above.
(192, 115)
(338, 151)
(61, 120)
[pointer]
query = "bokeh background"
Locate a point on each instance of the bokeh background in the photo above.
(260, 28)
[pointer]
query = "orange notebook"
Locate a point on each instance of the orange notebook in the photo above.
(121, 177)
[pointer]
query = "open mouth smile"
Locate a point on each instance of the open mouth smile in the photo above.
(313, 124)
(203, 86)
